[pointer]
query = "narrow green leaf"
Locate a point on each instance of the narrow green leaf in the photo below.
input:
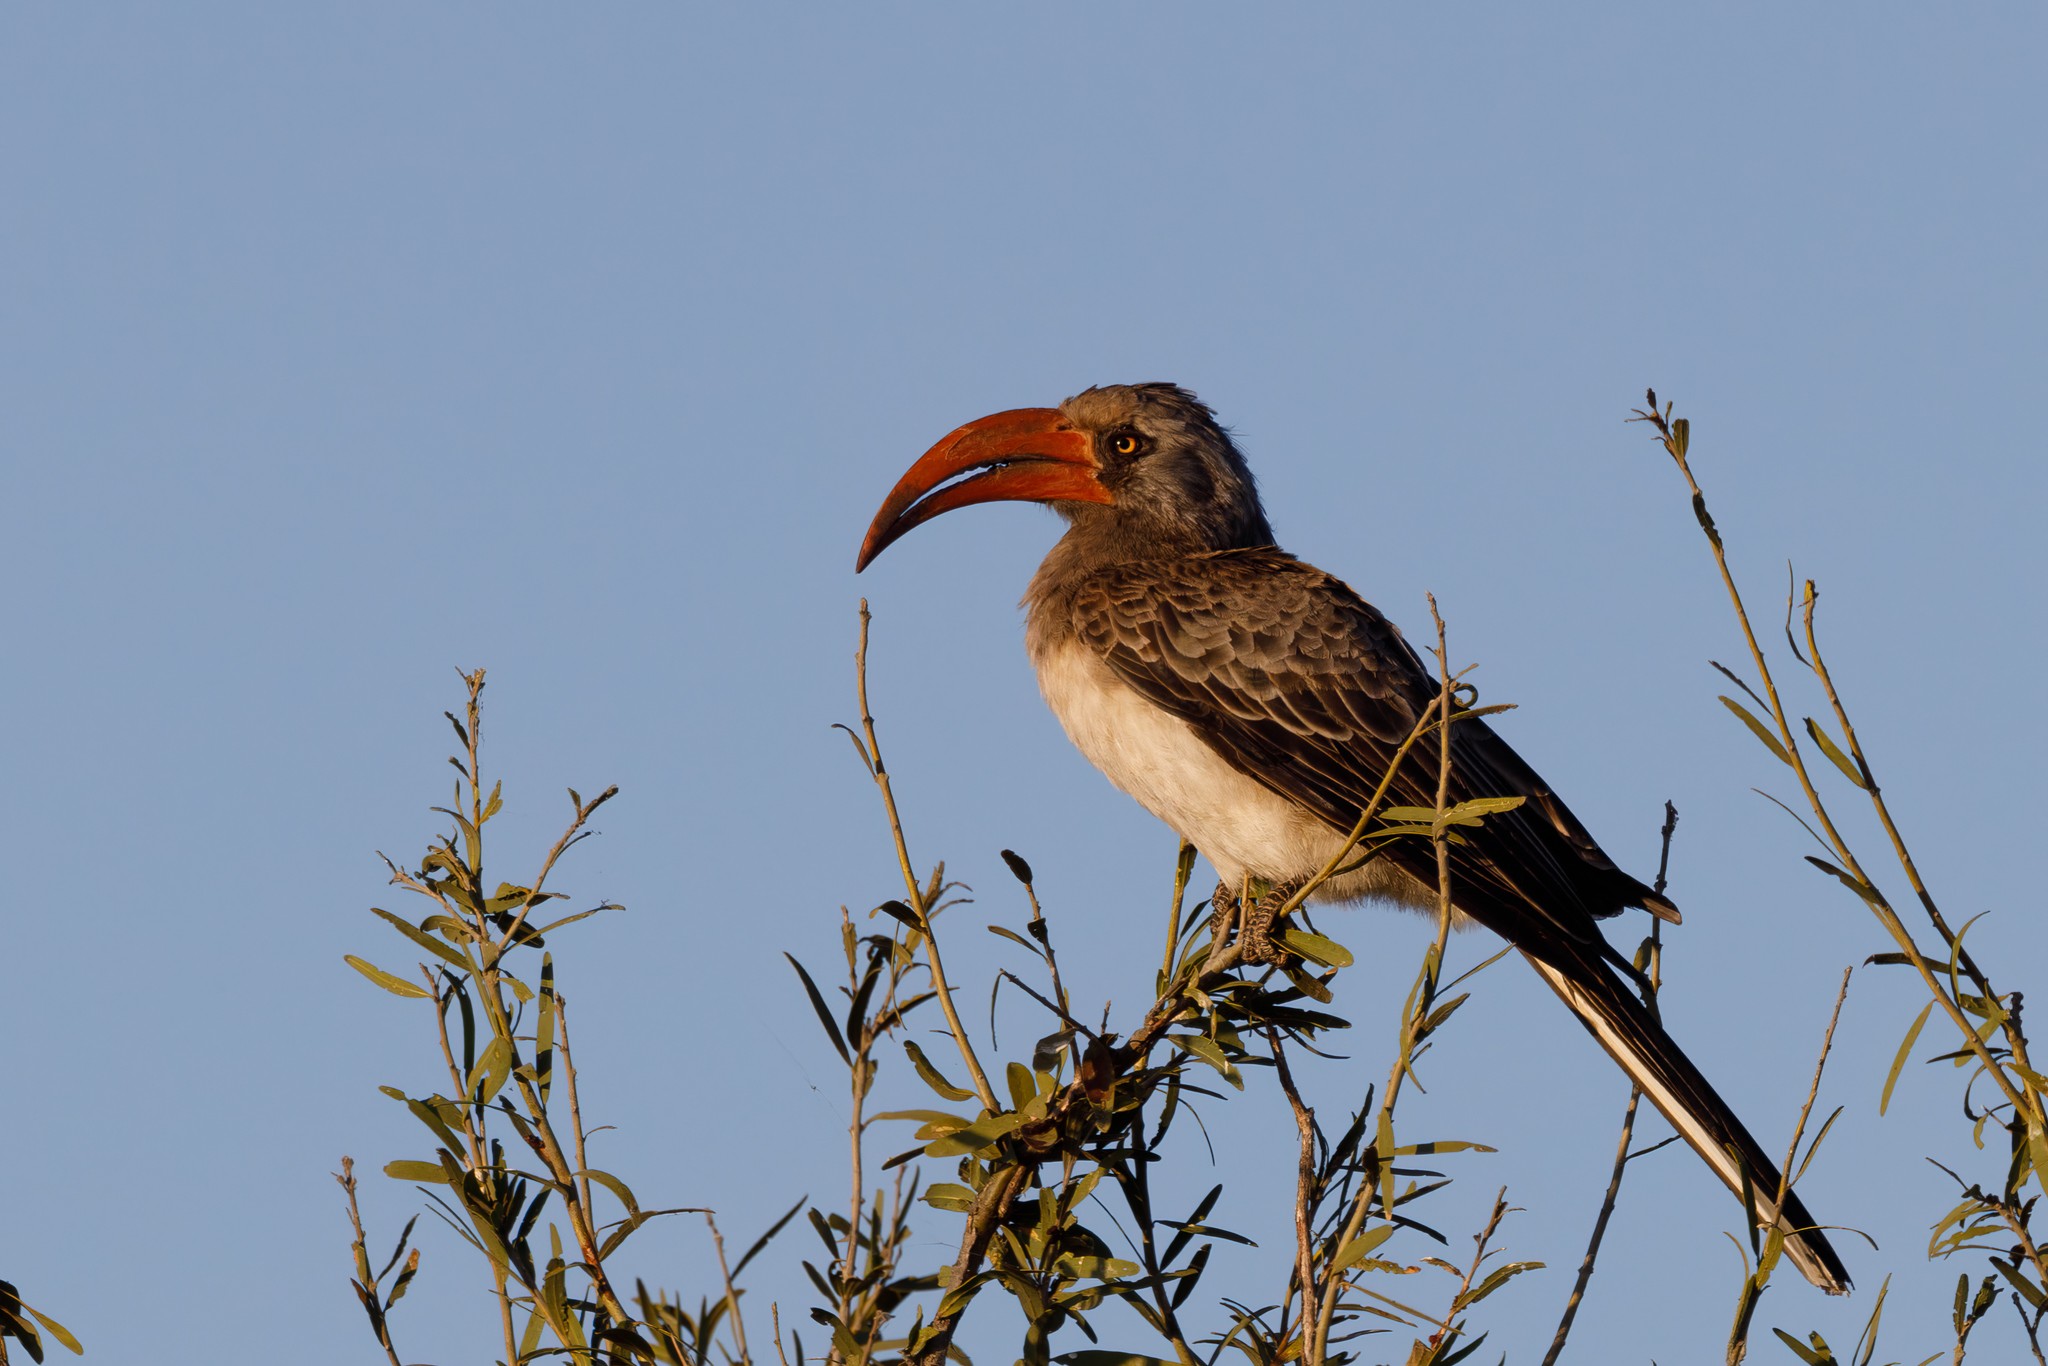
(1884, 1099)
(1016, 938)
(924, 1117)
(1761, 731)
(55, 1330)
(437, 1123)
(491, 1070)
(430, 1172)
(1471, 812)
(1205, 1049)
(397, 986)
(902, 914)
(824, 1015)
(1841, 760)
(1208, 1231)
(1023, 1087)
(946, 1195)
(981, 1134)
(2028, 1290)
(1853, 883)
(554, 925)
(544, 1029)
(1803, 1352)
(931, 1075)
(768, 1237)
(1316, 949)
(1358, 1247)
(1500, 1277)
(617, 1187)
(422, 938)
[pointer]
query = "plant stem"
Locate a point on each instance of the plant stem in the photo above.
(880, 773)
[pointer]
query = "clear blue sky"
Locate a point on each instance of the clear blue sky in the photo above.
(343, 346)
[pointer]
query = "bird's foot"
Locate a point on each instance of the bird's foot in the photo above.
(1255, 940)
(1223, 917)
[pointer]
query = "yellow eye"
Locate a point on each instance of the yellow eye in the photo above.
(1125, 444)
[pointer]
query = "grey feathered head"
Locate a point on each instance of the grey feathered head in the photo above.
(1176, 476)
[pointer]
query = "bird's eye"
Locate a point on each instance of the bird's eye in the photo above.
(1125, 443)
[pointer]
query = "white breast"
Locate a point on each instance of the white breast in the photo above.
(1240, 826)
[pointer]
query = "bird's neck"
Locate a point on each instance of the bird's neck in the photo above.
(1089, 546)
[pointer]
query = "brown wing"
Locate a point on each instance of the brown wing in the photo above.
(1301, 685)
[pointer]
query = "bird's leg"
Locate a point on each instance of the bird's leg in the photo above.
(1223, 916)
(1255, 935)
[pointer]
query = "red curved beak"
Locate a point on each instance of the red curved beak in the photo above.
(1025, 454)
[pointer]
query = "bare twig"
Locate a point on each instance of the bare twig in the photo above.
(1422, 999)
(1446, 1326)
(366, 1283)
(1304, 1190)
(880, 772)
(732, 1296)
(1628, 1115)
(1676, 437)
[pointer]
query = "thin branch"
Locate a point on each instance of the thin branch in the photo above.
(1622, 1155)
(910, 883)
(732, 1296)
(1304, 1191)
(1445, 1326)
(366, 1282)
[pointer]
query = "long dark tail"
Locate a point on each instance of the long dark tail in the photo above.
(1634, 1039)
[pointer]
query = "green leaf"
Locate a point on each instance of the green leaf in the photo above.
(1841, 760)
(824, 1015)
(440, 1125)
(1305, 984)
(948, 1196)
(55, 1329)
(617, 1187)
(1316, 949)
(397, 986)
(423, 939)
(902, 914)
(981, 1134)
(1023, 1087)
(924, 1117)
(554, 925)
(769, 1236)
(430, 1172)
(1205, 1049)
(544, 1029)
(1455, 1145)
(1471, 812)
(1884, 1099)
(1363, 1244)
(1206, 1231)
(1823, 1357)
(491, 1070)
(931, 1075)
(1103, 1357)
(1762, 731)
(1854, 884)
(1500, 1277)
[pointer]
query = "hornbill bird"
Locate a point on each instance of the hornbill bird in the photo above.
(1255, 703)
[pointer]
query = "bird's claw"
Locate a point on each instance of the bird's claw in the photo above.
(1255, 934)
